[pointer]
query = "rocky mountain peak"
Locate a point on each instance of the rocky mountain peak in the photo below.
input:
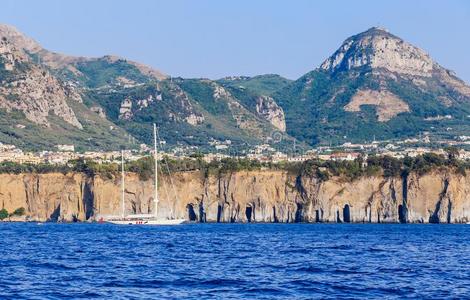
(21, 41)
(377, 30)
(378, 49)
(31, 88)
(57, 61)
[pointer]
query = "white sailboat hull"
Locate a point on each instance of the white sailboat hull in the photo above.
(142, 219)
(148, 222)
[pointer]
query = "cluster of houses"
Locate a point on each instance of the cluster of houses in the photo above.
(264, 152)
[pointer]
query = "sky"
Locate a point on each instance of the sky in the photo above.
(213, 38)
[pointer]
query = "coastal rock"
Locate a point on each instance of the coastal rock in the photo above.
(245, 196)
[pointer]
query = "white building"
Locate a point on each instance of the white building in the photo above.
(66, 148)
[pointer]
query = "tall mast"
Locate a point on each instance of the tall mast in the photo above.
(155, 158)
(122, 184)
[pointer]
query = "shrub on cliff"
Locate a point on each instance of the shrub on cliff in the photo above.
(144, 167)
(13, 167)
(323, 175)
(19, 212)
(82, 166)
(3, 214)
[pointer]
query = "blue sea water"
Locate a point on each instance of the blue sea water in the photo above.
(234, 261)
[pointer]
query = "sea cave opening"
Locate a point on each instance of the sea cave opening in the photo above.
(401, 214)
(317, 216)
(191, 213)
(347, 214)
(249, 213)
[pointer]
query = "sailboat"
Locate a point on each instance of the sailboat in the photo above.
(143, 219)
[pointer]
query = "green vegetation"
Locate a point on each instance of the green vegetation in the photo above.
(384, 165)
(17, 212)
(258, 85)
(144, 167)
(324, 170)
(314, 107)
(104, 71)
(171, 112)
(202, 91)
(96, 133)
(3, 214)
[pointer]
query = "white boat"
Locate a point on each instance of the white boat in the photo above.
(152, 221)
(142, 219)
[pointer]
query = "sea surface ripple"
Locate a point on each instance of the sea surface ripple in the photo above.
(234, 261)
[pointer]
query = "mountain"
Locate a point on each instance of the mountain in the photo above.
(259, 85)
(378, 85)
(375, 84)
(110, 102)
(39, 110)
(108, 69)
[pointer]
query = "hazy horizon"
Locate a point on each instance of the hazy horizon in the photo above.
(215, 39)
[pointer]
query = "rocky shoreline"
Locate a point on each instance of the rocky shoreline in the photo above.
(244, 196)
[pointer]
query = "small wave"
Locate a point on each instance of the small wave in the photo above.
(340, 247)
(348, 271)
(266, 291)
(310, 269)
(137, 283)
(376, 249)
(54, 266)
(215, 261)
(221, 282)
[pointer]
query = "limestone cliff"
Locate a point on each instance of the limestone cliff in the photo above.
(268, 109)
(250, 196)
(28, 87)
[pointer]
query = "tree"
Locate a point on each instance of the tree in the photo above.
(3, 214)
(19, 211)
(452, 153)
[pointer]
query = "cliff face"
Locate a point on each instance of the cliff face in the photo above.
(255, 196)
(30, 88)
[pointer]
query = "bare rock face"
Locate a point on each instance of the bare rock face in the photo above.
(268, 109)
(388, 55)
(239, 113)
(220, 92)
(379, 49)
(452, 82)
(244, 118)
(131, 105)
(194, 119)
(31, 89)
(59, 61)
(246, 196)
(19, 39)
(390, 61)
(55, 197)
(125, 111)
(186, 111)
(388, 105)
(99, 111)
(144, 103)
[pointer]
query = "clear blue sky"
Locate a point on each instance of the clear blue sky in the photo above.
(214, 38)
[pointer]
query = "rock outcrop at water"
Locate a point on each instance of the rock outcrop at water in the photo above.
(247, 196)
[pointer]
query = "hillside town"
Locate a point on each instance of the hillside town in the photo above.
(62, 154)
